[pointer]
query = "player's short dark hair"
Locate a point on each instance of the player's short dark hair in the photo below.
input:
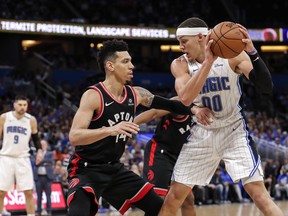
(21, 97)
(192, 23)
(108, 51)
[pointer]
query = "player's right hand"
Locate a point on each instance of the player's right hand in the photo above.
(126, 128)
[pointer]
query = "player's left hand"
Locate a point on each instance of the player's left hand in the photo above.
(249, 46)
(203, 115)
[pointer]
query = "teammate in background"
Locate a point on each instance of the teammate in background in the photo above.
(161, 152)
(100, 129)
(16, 128)
(208, 81)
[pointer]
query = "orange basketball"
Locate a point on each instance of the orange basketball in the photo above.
(227, 40)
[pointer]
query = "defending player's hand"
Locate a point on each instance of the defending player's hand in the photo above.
(203, 115)
(125, 128)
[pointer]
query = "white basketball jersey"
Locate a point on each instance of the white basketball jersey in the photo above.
(16, 136)
(221, 93)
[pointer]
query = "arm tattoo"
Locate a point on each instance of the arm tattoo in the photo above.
(146, 96)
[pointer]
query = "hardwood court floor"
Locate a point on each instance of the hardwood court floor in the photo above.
(234, 209)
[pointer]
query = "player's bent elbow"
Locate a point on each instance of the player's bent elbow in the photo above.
(185, 100)
(73, 139)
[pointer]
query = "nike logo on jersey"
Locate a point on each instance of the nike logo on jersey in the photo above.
(108, 104)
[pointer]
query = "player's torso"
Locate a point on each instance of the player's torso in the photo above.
(171, 133)
(111, 113)
(16, 135)
(221, 92)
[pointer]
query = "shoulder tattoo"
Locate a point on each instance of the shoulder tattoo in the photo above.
(146, 96)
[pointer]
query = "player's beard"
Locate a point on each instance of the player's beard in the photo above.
(129, 82)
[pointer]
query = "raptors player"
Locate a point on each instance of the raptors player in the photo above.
(161, 152)
(100, 129)
(16, 128)
(208, 81)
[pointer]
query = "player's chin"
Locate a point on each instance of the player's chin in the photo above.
(129, 82)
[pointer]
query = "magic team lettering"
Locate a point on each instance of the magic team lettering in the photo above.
(214, 84)
(17, 129)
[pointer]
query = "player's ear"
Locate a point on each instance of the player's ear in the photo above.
(110, 65)
(201, 36)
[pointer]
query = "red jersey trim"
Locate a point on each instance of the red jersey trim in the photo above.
(101, 103)
(123, 99)
(161, 191)
(75, 166)
(141, 193)
(152, 152)
(87, 189)
(181, 119)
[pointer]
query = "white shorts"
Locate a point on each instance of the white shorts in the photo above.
(16, 170)
(201, 155)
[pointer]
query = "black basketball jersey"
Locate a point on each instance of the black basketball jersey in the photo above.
(171, 133)
(111, 112)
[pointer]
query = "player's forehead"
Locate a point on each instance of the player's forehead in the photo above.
(21, 102)
(184, 37)
(123, 55)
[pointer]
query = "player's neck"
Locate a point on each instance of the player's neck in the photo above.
(116, 89)
(18, 115)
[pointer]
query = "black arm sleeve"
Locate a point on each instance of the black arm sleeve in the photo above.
(170, 105)
(260, 75)
(36, 141)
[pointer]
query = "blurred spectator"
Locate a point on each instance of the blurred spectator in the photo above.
(215, 187)
(281, 187)
(43, 177)
(270, 176)
(232, 191)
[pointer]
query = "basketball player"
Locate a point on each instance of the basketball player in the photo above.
(161, 152)
(16, 128)
(100, 129)
(208, 81)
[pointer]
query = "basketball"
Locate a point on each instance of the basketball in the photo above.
(227, 40)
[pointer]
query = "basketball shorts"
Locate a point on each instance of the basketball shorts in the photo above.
(201, 155)
(118, 186)
(19, 169)
(158, 166)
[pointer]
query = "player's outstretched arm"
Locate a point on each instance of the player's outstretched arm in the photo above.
(147, 99)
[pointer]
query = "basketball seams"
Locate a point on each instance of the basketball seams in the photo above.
(227, 41)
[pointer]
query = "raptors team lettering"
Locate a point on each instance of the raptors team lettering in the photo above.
(214, 84)
(118, 117)
(17, 129)
(184, 130)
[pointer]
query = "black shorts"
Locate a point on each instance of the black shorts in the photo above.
(158, 166)
(117, 185)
